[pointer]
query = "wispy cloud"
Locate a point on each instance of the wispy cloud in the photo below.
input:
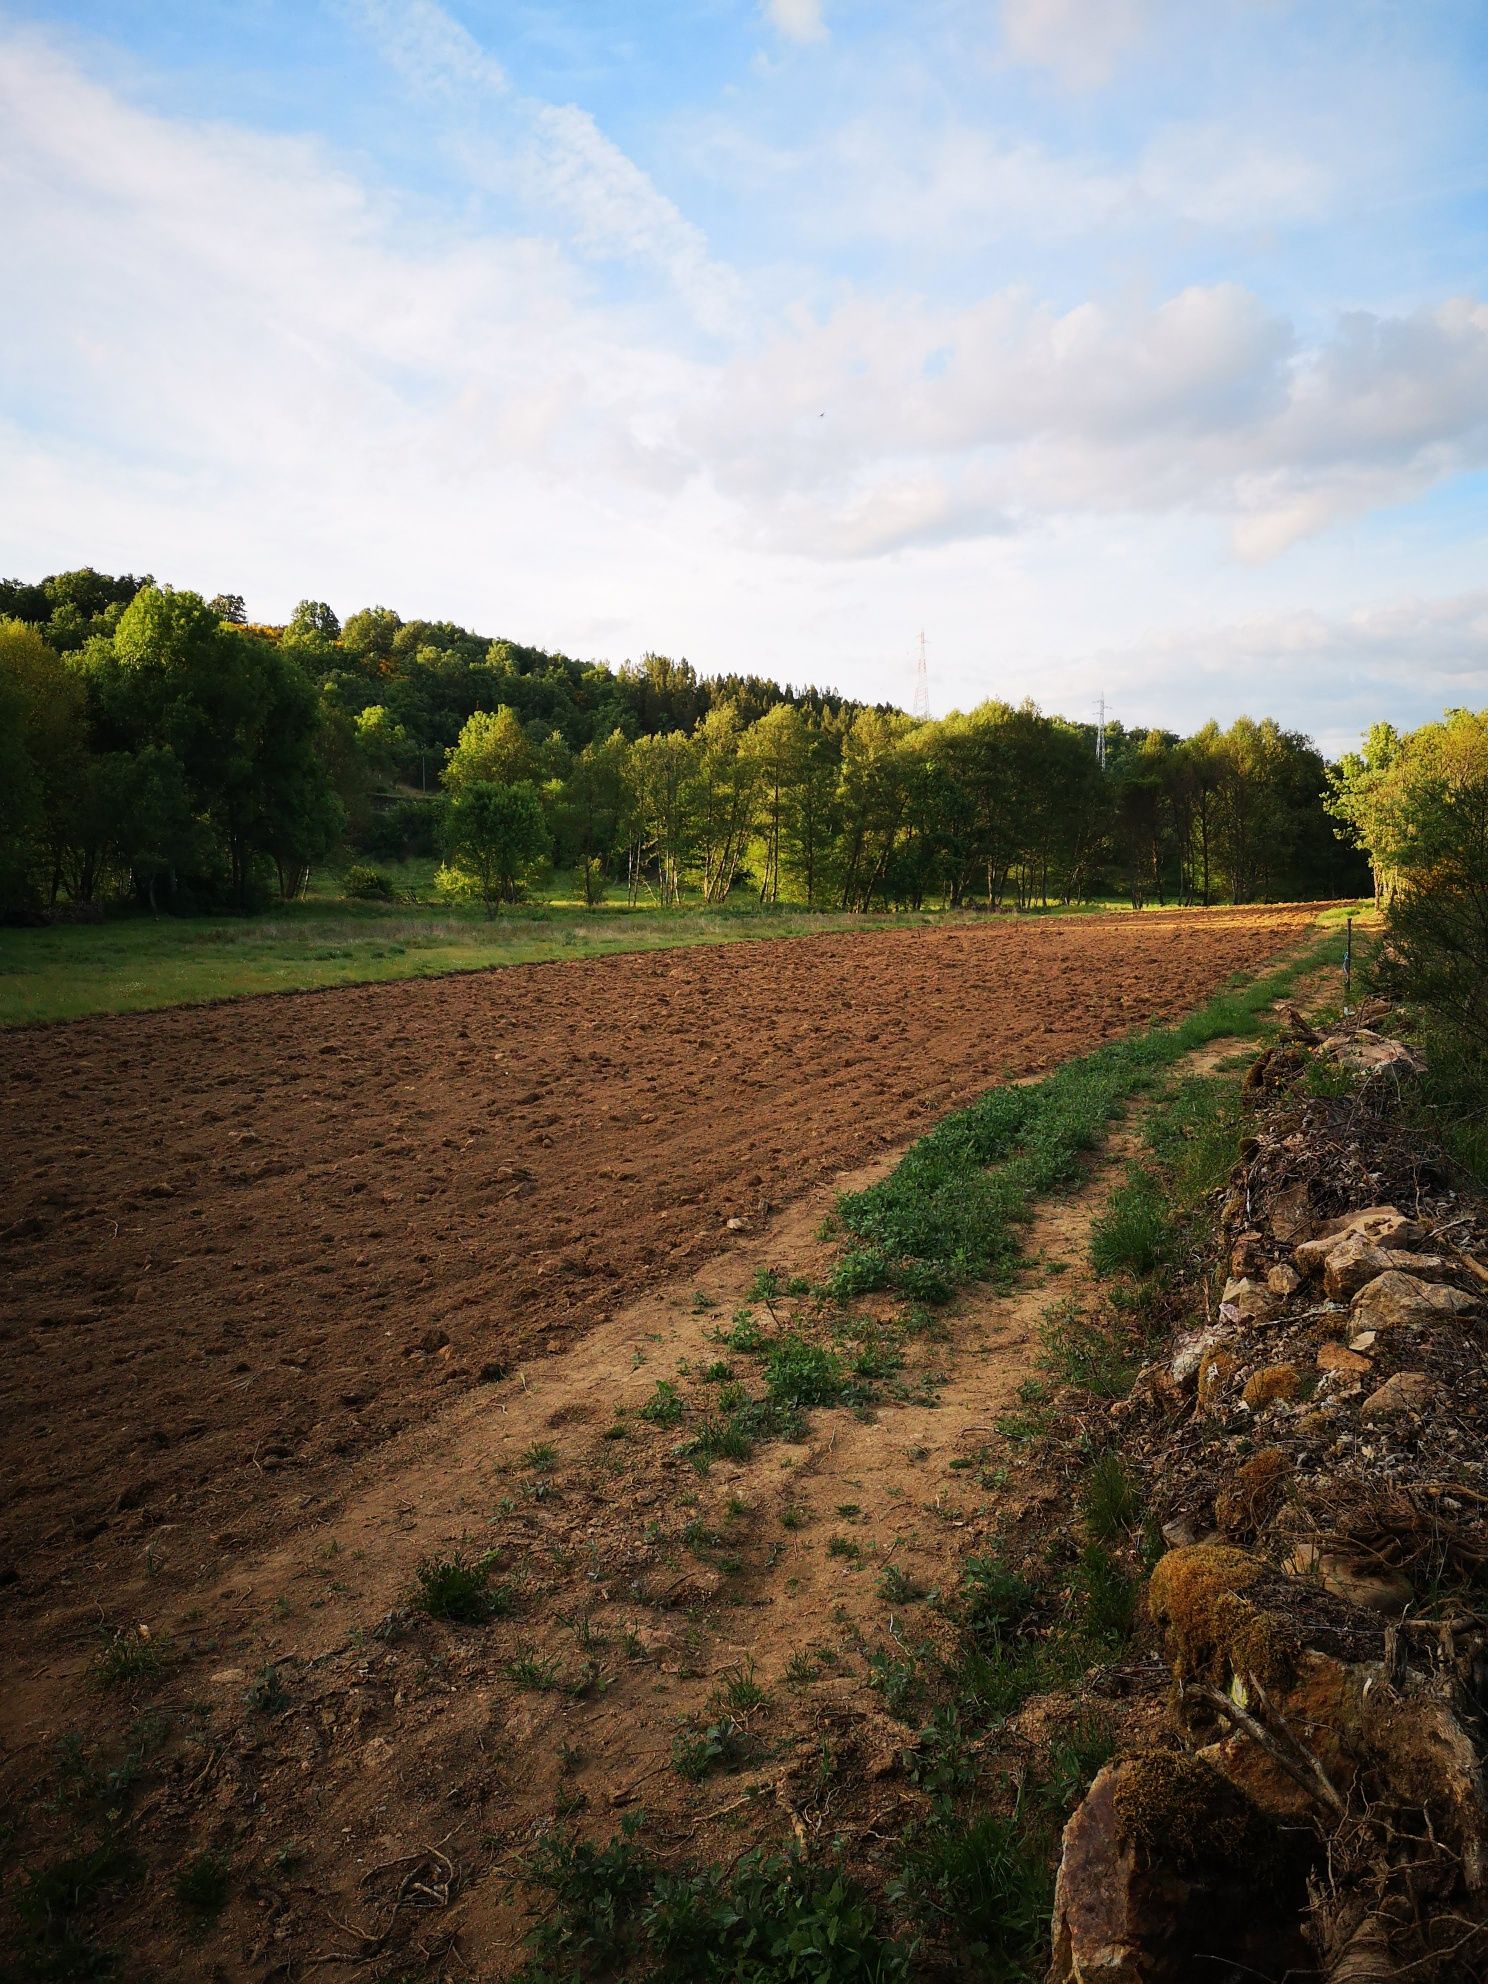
(553, 155)
(797, 20)
(1079, 41)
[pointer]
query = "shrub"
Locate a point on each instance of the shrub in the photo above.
(459, 1589)
(1132, 1235)
(363, 883)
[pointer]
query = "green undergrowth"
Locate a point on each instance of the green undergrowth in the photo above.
(952, 1210)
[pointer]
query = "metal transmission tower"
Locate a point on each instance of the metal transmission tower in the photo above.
(1100, 733)
(921, 704)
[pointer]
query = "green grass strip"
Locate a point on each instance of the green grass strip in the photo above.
(951, 1210)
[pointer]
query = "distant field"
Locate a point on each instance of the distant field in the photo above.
(133, 964)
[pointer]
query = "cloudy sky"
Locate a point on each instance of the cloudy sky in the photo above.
(1124, 346)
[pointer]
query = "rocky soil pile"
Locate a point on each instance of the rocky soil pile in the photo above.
(1313, 1453)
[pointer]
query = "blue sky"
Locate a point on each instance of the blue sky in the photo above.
(1122, 345)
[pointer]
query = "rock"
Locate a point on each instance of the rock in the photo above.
(1164, 1862)
(1385, 1226)
(1363, 1341)
(1272, 1383)
(1189, 1353)
(1333, 1357)
(1356, 1260)
(1407, 1391)
(1372, 1589)
(736, 1225)
(1291, 1214)
(1368, 1053)
(1395, 1298)
(1216, 1367)
(1283, 1279)
(1248, 1302)
(1247, 1253)
(1179, 1531)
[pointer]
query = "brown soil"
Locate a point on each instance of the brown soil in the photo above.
(245, 1244)
(229, 1413)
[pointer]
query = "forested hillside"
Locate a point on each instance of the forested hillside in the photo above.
(158, 747)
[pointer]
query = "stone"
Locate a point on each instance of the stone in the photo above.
(1247, 1253)
(1386, 1226)
(1406, 1392)
(1356, 1260)
(1248, 1302)
(1283, 1279)
(1189, 1353)
(1369, 1053)
(1348, 1363)
(1363, 1341)
(1395, 1298)
(1370, 1588)
(1274, 1383)
(1163, 1862)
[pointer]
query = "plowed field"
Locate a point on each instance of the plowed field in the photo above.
(244, 1244)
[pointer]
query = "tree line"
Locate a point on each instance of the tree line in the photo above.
(160, 747)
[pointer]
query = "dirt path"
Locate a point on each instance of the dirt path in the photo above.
(805, 1570)
(246, 1246)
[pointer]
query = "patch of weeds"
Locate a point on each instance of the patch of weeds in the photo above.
(201, 1884)
(50, 1900)
(459, 1589)
(849, 1511)
(1075, 1755)
(943, 1761)
(994, 1597)
(541, 1457)
(983, 1888)
(792, 1517)
(804, 1666)
(702, 1302)
(1108, 1596)
(876, 1360)
(1112, 1500)
(266, 1693)
(738, 1692)
(898, 1587)
(700, 1750)
(800, 1374)
(539, 1672)
(664, 1407)
(768, 1286)
(719, 1438)
(1085, 1352)
(1134, 1234)
(129, 1657)
(844, 1546)
(745, 1333)
(701, 1540)
(896, 1679)
(719, 1373)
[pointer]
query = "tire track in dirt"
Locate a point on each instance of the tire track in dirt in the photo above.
(245, 1245)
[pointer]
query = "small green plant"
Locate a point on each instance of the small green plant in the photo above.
(768, 1286)
(664, 1407)
(994, 1597)
(539, 1672)
(844, 1546)
(792, 1517)
(1088, 1352)
(201, 1884)
(800, 1374)
(266, 1693)
(458, 1588)
(738, 1692)
(1133, 1235)
(1112, 1501)
(720, 1372)
(896, 1678)
(898, 1587)
(1108, 1595)
(129, 1657)
(541, 1457)
(702, 1302)
(745, 1333)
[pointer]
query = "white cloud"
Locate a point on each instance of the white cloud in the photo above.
(797, 20)
(553, 155)
(1412, 656)
(1078, 41)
